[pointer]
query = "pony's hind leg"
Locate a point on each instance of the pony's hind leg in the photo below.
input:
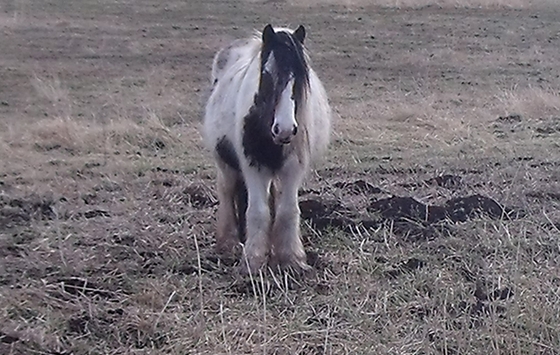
(287, 249)
(258, 220)
(227, 232)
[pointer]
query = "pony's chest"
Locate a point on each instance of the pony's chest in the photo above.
(258, 146)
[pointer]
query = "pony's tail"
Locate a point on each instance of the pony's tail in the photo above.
(241, 202)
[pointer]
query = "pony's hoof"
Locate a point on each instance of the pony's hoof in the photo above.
(227, 248)
(293, 263)
(251, 265)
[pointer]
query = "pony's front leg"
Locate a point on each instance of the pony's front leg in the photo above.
(226, 235)
(258, 219)
(287, 248)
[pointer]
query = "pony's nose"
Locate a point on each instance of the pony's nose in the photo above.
(283, 136)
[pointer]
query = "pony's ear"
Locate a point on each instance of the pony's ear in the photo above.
(300, 33)
(268, 34)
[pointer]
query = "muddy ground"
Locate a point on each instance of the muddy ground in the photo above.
(431, 227)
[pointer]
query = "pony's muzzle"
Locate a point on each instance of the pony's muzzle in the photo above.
(283, 136)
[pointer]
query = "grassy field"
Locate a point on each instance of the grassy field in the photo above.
(107, 203)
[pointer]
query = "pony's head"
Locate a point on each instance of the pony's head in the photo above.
(284, 80)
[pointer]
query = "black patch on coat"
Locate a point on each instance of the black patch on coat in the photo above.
(227, 153)
(289, 57)
(258, 146)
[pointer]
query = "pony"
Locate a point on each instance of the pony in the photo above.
(266, 120)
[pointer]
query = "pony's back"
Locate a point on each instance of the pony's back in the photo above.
(236, 52)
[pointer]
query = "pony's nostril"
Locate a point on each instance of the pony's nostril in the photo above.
(294, 130)
(276, 129)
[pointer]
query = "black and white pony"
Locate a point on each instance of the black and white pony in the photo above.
(266, 120)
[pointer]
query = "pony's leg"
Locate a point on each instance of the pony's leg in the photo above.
(226, 235)
(287, 248)
(258, 219)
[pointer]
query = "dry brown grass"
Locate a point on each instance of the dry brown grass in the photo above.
(107, 202)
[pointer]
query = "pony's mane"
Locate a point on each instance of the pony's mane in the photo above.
(289, 63)
(290, 52)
